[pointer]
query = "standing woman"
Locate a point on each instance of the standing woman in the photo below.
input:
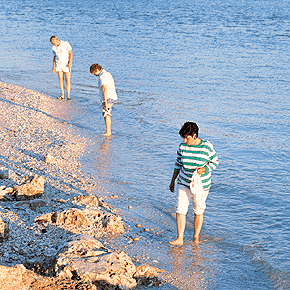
(194, 154)
(62, 64)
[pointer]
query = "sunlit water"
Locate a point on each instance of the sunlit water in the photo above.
(223, 64)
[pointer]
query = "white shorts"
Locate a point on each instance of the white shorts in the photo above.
(62, 67)
(184, 197)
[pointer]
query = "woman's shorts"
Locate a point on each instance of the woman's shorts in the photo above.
(184, 197)
(63, 68)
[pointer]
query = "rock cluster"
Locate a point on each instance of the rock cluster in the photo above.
(51, 220)
(92, 220)
(90, 260)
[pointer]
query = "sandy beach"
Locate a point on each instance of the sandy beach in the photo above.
(50, 236)
(72, 201)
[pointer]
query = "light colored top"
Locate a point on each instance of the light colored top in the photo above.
(107, 80)
(61, 52)
(190, 157)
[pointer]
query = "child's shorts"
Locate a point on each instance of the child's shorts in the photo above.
(184, 197)
(108, 111)
(110, 101)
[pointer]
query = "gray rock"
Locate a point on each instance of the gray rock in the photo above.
(46, 218)
(30, 190)
(148, 276)
(5, 193)
(37, 203)
(4, 174)
(90, 200)
(50, 159)
(4, 231)
(114, 269)
(72, 217)
(92, 261)
(113, 224)
(12, 278)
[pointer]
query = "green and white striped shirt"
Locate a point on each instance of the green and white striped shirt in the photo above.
(189, 157)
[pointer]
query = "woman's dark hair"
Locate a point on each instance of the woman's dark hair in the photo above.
(188, 129)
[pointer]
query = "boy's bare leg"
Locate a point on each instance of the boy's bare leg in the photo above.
(68, 84)
(180, 223)
(198, 220)
(108, 122)
(108, 126)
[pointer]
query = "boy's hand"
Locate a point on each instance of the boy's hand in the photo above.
(53, 70)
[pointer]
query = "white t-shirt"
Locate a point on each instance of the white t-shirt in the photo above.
(61, 52)
(107, 80)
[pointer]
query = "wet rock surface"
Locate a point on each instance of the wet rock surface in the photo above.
(51, 220)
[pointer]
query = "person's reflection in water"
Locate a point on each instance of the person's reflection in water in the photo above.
(187, 268)
(104, 157)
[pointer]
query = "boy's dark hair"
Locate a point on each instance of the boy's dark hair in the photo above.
(52, 38)
(94, 67)
(188, 129)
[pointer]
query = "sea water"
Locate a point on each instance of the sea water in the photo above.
(222, 64)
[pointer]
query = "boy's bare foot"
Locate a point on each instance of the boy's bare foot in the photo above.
(176, 242)
(107, 134)
(61, 97)
(196, 241)
(69, 99)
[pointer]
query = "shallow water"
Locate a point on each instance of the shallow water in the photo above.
(222, 64)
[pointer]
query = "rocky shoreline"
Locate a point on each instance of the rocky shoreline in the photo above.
(50, 214)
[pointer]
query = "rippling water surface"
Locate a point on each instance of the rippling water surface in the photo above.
(223, 64)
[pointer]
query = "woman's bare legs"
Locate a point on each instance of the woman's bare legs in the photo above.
(61, 84)
(198, 220)
(180, 223)
(68, 85)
